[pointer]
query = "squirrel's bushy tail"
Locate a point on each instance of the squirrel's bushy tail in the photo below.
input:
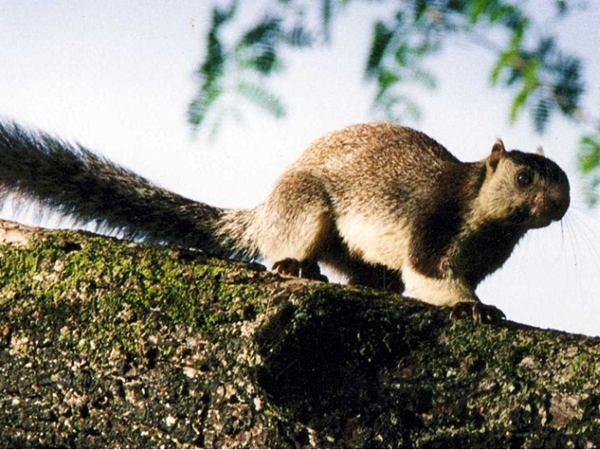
(75, 182)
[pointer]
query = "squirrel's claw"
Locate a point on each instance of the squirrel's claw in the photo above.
(478, 311)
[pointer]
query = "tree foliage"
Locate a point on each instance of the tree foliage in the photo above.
(242, 55)
(588, 160)
(236, 69)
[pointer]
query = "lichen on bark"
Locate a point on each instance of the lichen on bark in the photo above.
(106, 343)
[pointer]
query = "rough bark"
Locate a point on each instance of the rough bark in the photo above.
(105, 343)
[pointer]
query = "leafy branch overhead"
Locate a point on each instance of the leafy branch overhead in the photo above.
(245, 48)
(235, 69)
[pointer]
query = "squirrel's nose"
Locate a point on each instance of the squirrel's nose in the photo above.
(559, 201)
(551, 205)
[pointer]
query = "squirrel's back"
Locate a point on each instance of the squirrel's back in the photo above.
(380, 168)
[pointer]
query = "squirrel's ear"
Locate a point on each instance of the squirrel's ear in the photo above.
(498, 152)
(540, 151)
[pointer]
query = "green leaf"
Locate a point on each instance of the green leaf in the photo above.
(569, 86)
(588, 163)
(504, 61)
(478, 8)
(518, 103)
(588, 157)
(212, 69)
(530, 84)
(299, 37)
(220, 117)
(424, 78)
(562, 8)
(397, 108)
(402, 54)
(327, 17)
(502, 13)
(201, 105)
(386, 79)
(420, 8)
(257, 49)
(382, 36)
(541, 113)
(265, 33)
(263, 98)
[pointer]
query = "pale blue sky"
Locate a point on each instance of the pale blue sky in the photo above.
(117, 76)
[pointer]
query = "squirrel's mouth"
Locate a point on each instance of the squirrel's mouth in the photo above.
(550, 206)
(522, 216)
(547, 207)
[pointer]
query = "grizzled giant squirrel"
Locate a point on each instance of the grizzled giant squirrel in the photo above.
(376, 202)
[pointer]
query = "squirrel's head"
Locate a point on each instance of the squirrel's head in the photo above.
(527, 189)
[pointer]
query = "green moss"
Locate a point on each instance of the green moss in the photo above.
(103, 280)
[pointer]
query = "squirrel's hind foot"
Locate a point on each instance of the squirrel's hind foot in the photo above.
(302, 269)
(478, 311)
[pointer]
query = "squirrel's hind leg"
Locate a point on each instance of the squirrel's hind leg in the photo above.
(360, 273)
(376, 276)
(296, 225)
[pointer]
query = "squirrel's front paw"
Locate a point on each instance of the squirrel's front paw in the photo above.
(478, 311)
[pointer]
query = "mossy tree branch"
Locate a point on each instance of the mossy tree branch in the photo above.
(105, 343)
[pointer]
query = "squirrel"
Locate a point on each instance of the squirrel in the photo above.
(383, 204)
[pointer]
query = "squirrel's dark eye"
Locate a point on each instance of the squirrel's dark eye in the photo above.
(524, 178)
